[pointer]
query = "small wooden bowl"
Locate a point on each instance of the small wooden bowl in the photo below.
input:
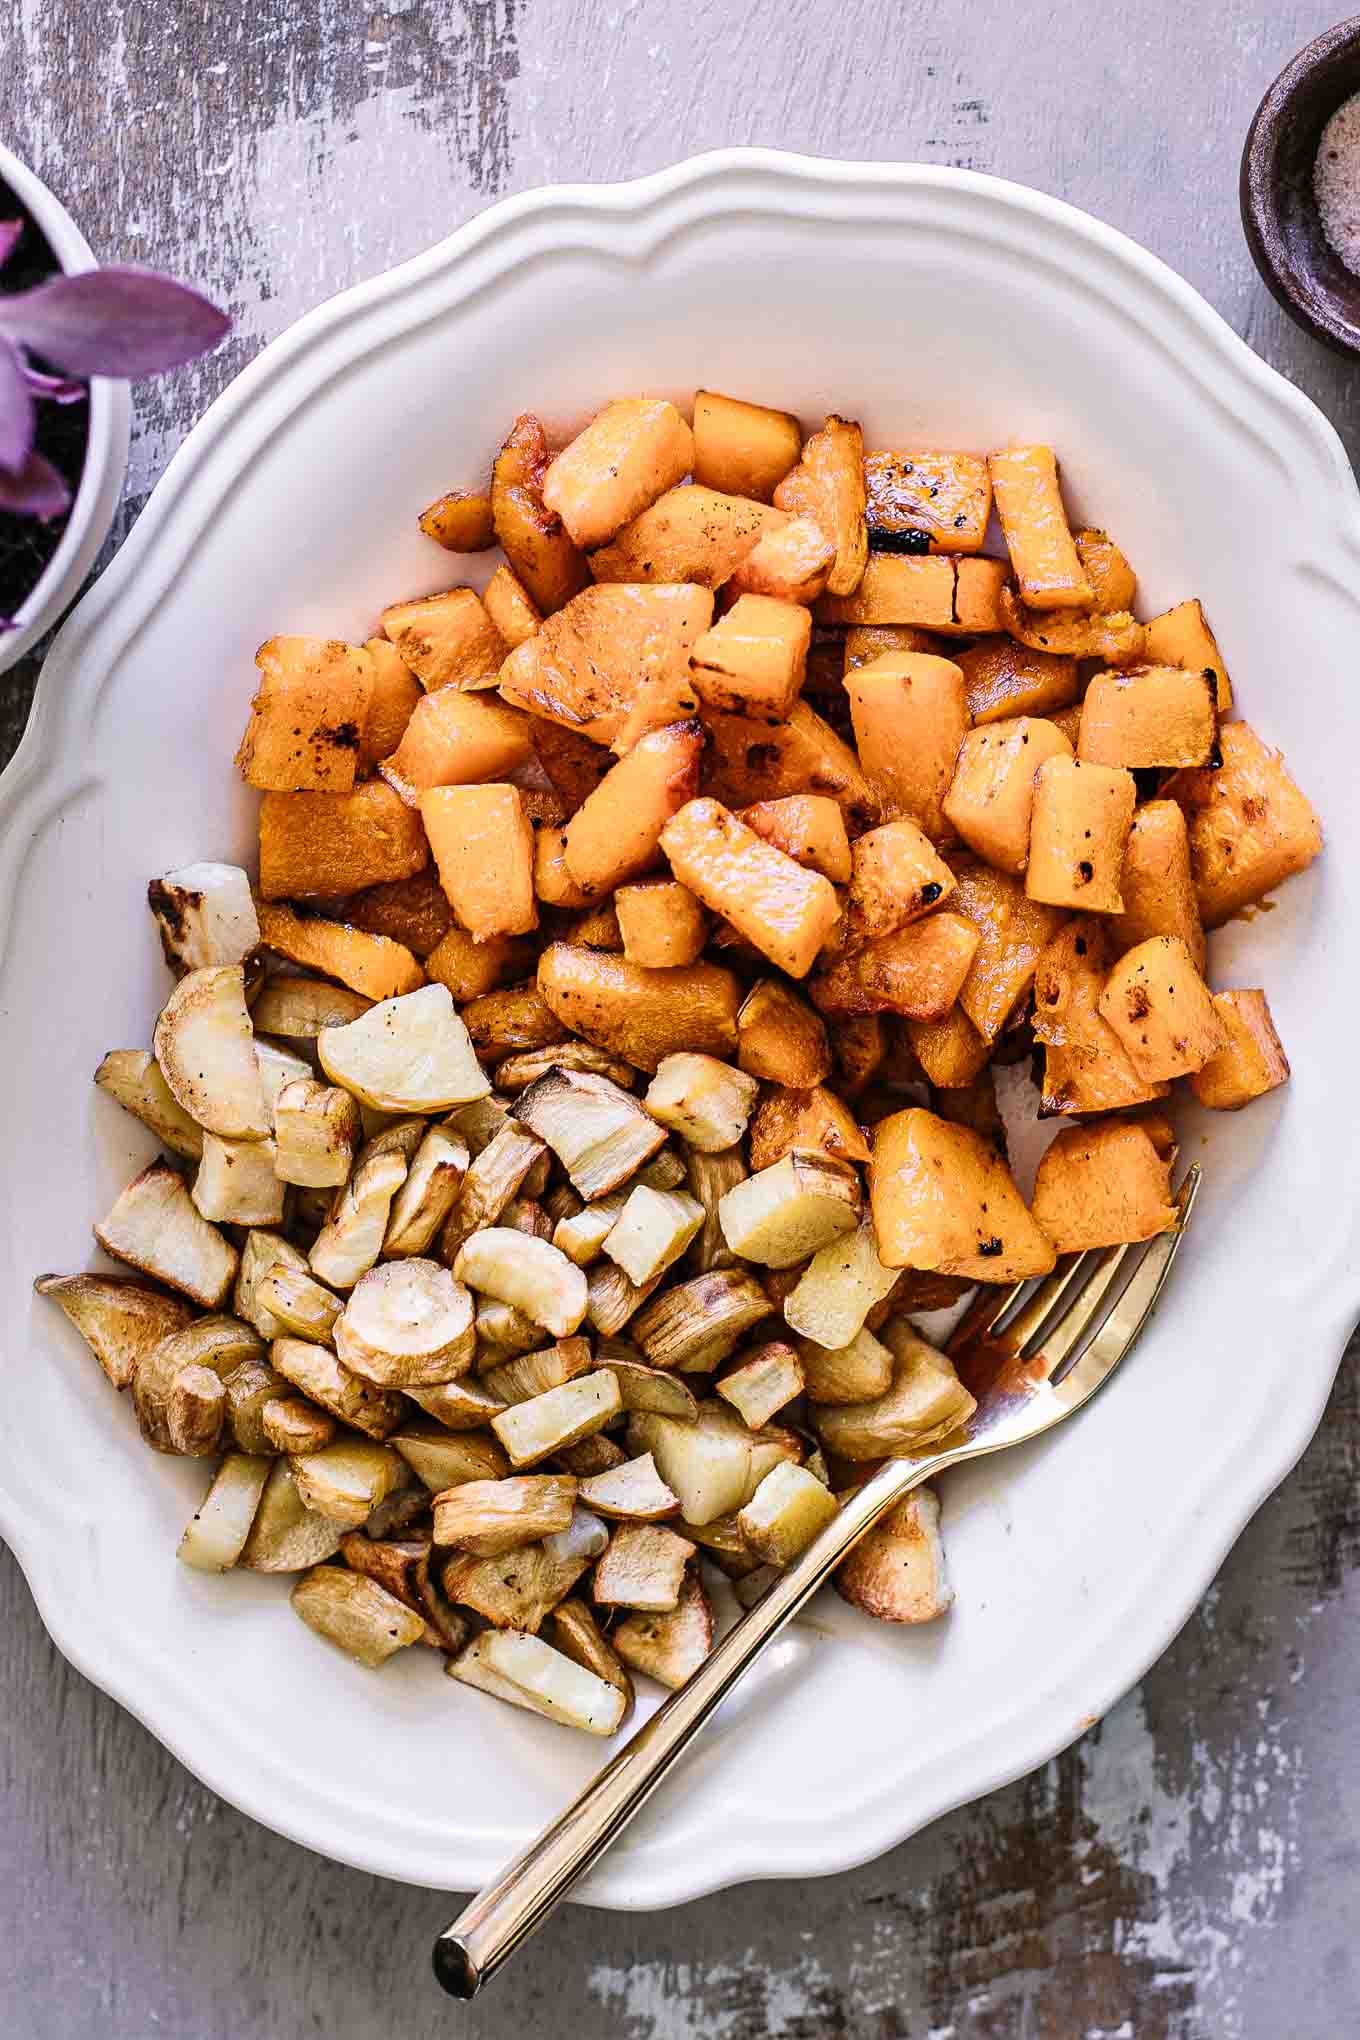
(1279, 212)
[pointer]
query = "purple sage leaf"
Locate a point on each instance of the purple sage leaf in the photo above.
(36, 491)
(16, 410)
(118, 321)
(10, 232)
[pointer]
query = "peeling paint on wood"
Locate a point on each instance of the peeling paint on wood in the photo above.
(1190, 1871)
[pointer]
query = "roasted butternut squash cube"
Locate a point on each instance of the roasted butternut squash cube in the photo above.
(460, 521)
(640, 1015)
(1034, 525)
(553, 883)
(371, 964)
(510, 606)
(780, 1039)
(752, 661)
(1251, 1061)
(1012, 932)
(412, 911)
(859, 1046)
(308, 716)
(1149, 716)
(918, 971)
(1079, 827)
(1161, 1009)
(573, 764)
(991, 798)
(613, 663)
(948, 596)
(828, 486)
(864, 642)
(447, 640)
(483, 846)
(749, 761)
(392, 703)
(1157, 883)
(533, 538)
(909, 719)
(333, 844)
(661, 922)
(691, 534)
(946, 498)
(1113, 581)
(743, 449)
(809, 828)
(943, 1199)
(1250, 826)
(783, 910)
(509, 1019)
(897, 875)
(790, 563)
(1068, 720)
(616, 831)
(630, 453)
(470, 968)
(1182, 637)
(1103, 1186)
(598, 929)
(1113, 636)
(1002, 679)
(457, 739)
(812, 1119)
(1085, 1066)
(950, 1051)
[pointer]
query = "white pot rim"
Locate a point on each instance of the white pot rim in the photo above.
(106, 447)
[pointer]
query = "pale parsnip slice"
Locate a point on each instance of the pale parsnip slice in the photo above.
(215, 1534)
(317, 1129)
(502, 1330)
(132, 1077)
(534, 1430)
(611, 1299)
(195, 1411)
(299, 1007)
(714, 1465)
(286, 1536)
(530, 1374)
(355, 1614)
(925, 1400)
(644, 1567)
(599, 1133)
(408, 1054)
(584, 1537)
(429, 1193)
(219, 1344)
(898, 1573)
(278, 1066)
(249, 1387)
(633, 1491)
(293, 1425)
(205, 1045)
(518, 1591)
(647, 1388)
(762, 1382)
(582, 1236)
(119, 1318)
(262, 1251)
(696, 1324)
(530, 1673)
(444, 1459)
(407, 1324)
(653, 1230)
(155, 1227)
(316, 1371)
(856, 1372)
(704, 1100)
(840, 1287)
(205, 915)
(669, 1646)
(237, 1183)
(528, 1273)
(463, 1405)
(302, 1307)
(579, 1635)
(351, 1240)
(784, 1213)
(789, 1508)
(491, 1517)
(345, 1481)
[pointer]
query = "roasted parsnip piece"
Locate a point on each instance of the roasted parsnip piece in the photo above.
(409, 1054)
(839, 1287)
(428, 1195)
(407, 1324)
(710, 1178)
(154, 1226)
(443, 1459)
(120, 1319)
(303, 1307)
(215, 1534)
(528, 1273)
(293, 1425)
(531, 1374)
(600, 1134)
(287, 1536)
(579, 1636)
(644, 1567)
(670, 1646)
(205, 915)
(491, 1180)
(316, 1371)
(534, 1430)
(490, 1517)
(785, 1513)
(762, 1382)
(897, 1573)
(646, 1388)
(459, 1405)
(355, 1614)
(133, 1077)
(925, 1400)
(857, 1372)
(316, 1131)
(351, 1240)
(205, 1046)
(517, 1591)
(611, 1299)
(237, 1182)
(346, 1480)
(706, 1101)
(781, 1215)
(529, 1673)
(713, 1465)
(652, 1232)
(298, 1007)
(634, 1491)
(696, 1324)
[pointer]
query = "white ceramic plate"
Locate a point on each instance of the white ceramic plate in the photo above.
(941, 308)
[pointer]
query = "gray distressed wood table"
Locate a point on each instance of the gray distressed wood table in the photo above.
(1191, 1869)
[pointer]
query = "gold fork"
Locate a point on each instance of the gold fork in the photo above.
(1031, 1357)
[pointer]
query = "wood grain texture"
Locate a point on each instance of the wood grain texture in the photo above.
(1190, 1870)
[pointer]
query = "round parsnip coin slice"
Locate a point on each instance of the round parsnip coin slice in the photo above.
(205, 1045)
(408, 1054)
(408, 1324)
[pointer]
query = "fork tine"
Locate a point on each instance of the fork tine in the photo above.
(1086, 1309)
(1132, 1309)
(1043, 1303)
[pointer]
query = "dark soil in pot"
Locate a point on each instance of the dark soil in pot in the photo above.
(28, 543)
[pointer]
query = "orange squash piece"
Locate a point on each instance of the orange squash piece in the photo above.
(943, 1199)
(396, 691)
(661, 923)
(1250, 826)
(333, 844)
(1013, 931)
(780, 1039)
(460, 521)
(615, 833)
(1034, 525)
(640, 1015)
(371, 964)
(630, 453)
(470, 969)
(307, 718)
(447, 640)
(809, 828)
(785, 911)
(483, 845)
(1251, 1061)
(918, 971)
(534, 540)
(1085, 1066)
(1149, 716)
(457, 739)
(613, 663)
(743, 449)
(910, 718)
(412, 911)
(1002, 678)
(1103, 1186)
(813, 1119)
(990, 800)
(750, 761)
(945, 496)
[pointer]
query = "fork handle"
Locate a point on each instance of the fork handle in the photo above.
(502, 1916)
